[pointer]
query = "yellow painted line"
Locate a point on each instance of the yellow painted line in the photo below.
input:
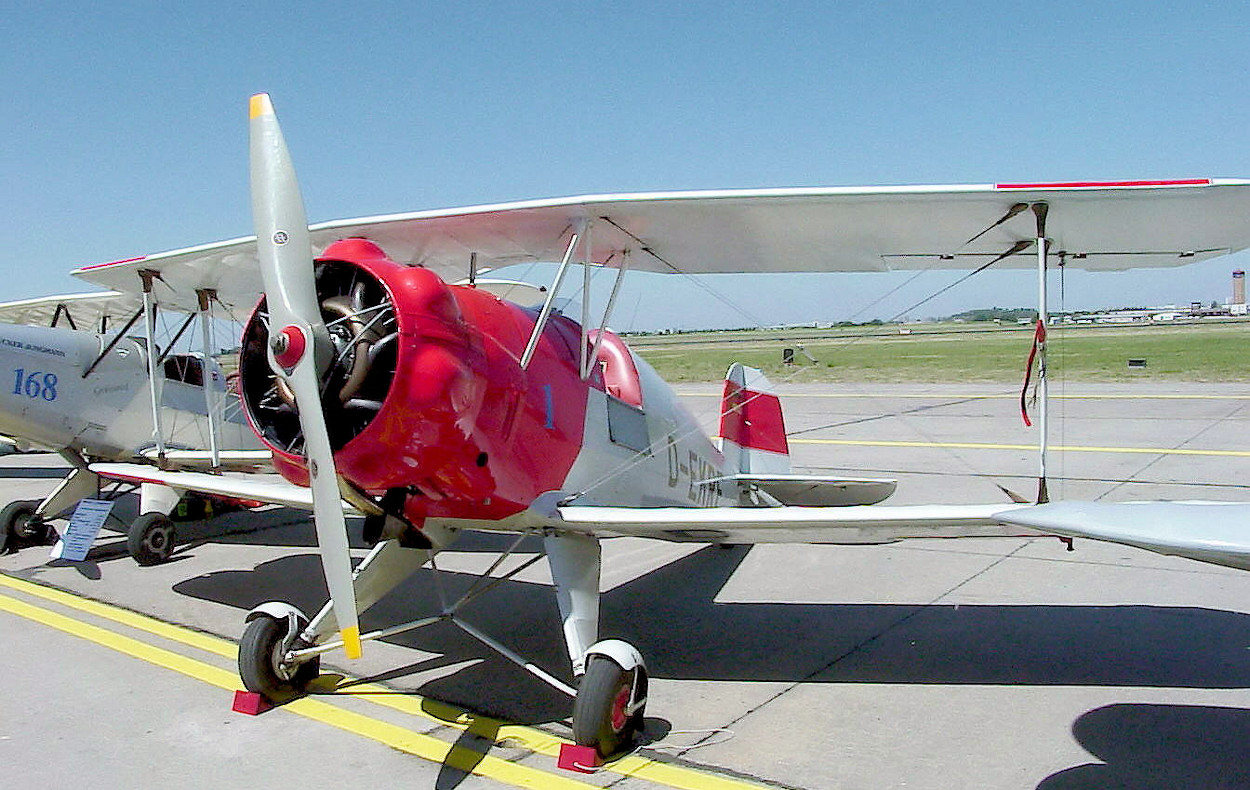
(1053, 448)
(632, 765)
(206, 642)
(966, 396)
(529, 738)
(418, 744)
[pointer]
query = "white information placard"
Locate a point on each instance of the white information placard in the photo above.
(83, 528)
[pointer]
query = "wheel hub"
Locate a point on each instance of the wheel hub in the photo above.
(620, 708)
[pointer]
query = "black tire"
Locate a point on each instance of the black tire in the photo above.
(260, 656)
(151, 539)
(599, 717)
(19, 524)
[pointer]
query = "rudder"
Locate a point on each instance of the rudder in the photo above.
(752, 429)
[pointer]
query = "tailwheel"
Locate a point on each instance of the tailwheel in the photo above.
(608, 711)
(262, 660)
(150, 539)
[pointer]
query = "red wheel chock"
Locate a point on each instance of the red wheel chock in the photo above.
(582, 759)
(251, 703)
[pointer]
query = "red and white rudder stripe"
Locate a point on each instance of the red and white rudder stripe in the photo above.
(753, 432)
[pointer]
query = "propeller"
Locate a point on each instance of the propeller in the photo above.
(299, 343)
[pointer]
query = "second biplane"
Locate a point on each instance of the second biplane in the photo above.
(89, 381)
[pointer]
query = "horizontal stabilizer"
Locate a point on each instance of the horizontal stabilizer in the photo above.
(1215, 532)
(815, 491)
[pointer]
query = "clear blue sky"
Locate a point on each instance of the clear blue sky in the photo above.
(124, 124)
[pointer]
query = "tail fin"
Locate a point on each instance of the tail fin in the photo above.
(753, 432)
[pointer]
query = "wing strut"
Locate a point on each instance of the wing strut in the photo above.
(206, 297)
(61, 309)
(607, 313)
(1039, 211)
(541, 323)
(148, 276)
(583, 364)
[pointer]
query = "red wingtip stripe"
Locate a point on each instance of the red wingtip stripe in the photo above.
(1183, 182)
(111, 263)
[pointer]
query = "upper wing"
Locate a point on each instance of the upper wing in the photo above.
(86, 311)
(1215, 532)
(1094, 225)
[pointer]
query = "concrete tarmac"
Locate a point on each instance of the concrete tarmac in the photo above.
(1004, 663)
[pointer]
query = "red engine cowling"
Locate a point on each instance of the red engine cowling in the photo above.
(418, 397)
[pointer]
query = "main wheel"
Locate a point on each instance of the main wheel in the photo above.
(261, 665)
(20, 525)
(602, 717)
(150, 539)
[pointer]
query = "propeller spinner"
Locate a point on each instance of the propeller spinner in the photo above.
(300, 344)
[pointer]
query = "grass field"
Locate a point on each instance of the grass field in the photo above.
(951, 353)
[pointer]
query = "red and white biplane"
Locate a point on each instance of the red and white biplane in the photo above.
(388, 378)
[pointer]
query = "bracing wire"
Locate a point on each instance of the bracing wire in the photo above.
(641, 456)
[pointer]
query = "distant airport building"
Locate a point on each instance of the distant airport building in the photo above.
(1239, 287)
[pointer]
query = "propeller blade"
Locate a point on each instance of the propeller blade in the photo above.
(298, 341)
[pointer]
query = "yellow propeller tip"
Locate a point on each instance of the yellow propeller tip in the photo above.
(260, 105)
(351, 642)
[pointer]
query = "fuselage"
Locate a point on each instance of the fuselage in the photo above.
(47, 396)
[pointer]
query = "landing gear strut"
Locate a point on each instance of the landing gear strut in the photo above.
(278, 655)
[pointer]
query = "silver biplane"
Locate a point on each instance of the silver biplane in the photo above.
(92, 392)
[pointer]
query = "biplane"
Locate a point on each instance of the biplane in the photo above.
(93, 392)
(387, 378)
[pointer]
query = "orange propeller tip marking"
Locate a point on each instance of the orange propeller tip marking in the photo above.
(260, 105)
(351, 642)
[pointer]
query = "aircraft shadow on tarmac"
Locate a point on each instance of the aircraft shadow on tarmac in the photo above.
(32, 472)
(293, 528)
(1159, 747)
(685, 634)
(278, 527)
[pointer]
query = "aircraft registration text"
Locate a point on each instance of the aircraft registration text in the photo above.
(34, 385)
